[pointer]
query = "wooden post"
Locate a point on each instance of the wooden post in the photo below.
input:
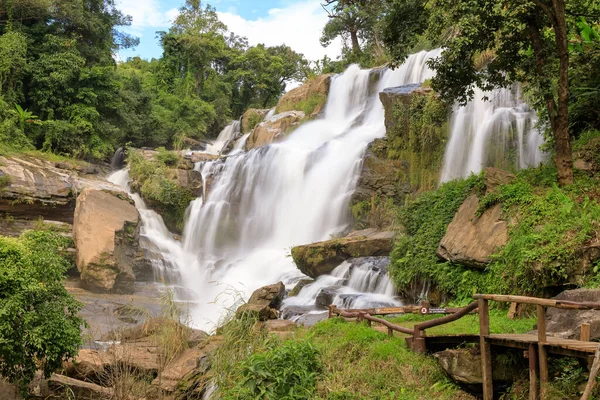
(418, 342)
(390, 332)
(585, 332)
(330, 311)
(593, 374)
(361, 317)
(369, 323)
(543, 354)
(486, 354)
(533, 385)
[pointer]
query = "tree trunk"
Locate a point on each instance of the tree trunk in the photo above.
(564, 154)
(355, 43)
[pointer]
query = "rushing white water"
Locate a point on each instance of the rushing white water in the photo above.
(297, 191)
(358, 283)
(165, 253)
(500, 132)
(227, 134)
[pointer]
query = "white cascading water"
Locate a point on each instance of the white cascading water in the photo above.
(225, 136)
(357, 283)
(164, 252)
(294, 192)
(241, 142)
(500, 132)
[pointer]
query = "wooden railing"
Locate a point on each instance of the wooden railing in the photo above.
(542, 340)
(536, 351)
(418, 331)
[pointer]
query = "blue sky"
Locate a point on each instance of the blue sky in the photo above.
(297, 23)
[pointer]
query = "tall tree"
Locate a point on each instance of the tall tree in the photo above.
(355, 20)
(527, 42)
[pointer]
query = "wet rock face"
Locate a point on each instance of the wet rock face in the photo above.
(321, 258)
(264, 302)
(317, 87)
(379, 175)
(106, 235)
(31, 187)
(567, 323)
(251, 118)
(274, 129)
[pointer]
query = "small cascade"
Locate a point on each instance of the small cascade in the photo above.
(500, 132)
(164, 252)
(227, 134)
(356, 283)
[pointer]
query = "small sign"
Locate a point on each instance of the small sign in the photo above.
(425, 310)
(437, 311)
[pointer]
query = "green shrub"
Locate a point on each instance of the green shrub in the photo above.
(426, 219)
(286, 371)
(39, 328)
(549, 227)
(169, 158)
(151, 178)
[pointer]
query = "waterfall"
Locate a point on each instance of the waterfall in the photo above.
(225, 136)
(263, 202)
(500, 132)
(357, 283)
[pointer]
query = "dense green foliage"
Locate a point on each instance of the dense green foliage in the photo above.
(425, 220)
(547, 240)
(61, 91)
(287, 371)
(548, 231)
(156, 180)
(39, 326)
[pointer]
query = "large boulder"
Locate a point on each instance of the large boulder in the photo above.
(314, 89)
(251, 118)
(31, 187)
(321, 258)
(274, 129)
(471, 240)
(264, 302)
(390, 97)
(106, 235)
(193, 360)
(567, 323)
(464, 367)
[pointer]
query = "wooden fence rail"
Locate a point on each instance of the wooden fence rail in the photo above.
(536, 347)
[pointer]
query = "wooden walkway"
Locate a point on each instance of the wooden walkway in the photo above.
(537, 348)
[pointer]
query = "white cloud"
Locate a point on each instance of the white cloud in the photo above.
(146, 14)
(298, 26)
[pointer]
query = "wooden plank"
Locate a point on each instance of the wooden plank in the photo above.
(566, 304)
(533, 384)
(486, 354)
(516, 299)
(585, 332)
(449, 318)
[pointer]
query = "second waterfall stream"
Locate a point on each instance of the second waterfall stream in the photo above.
(265, 201)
